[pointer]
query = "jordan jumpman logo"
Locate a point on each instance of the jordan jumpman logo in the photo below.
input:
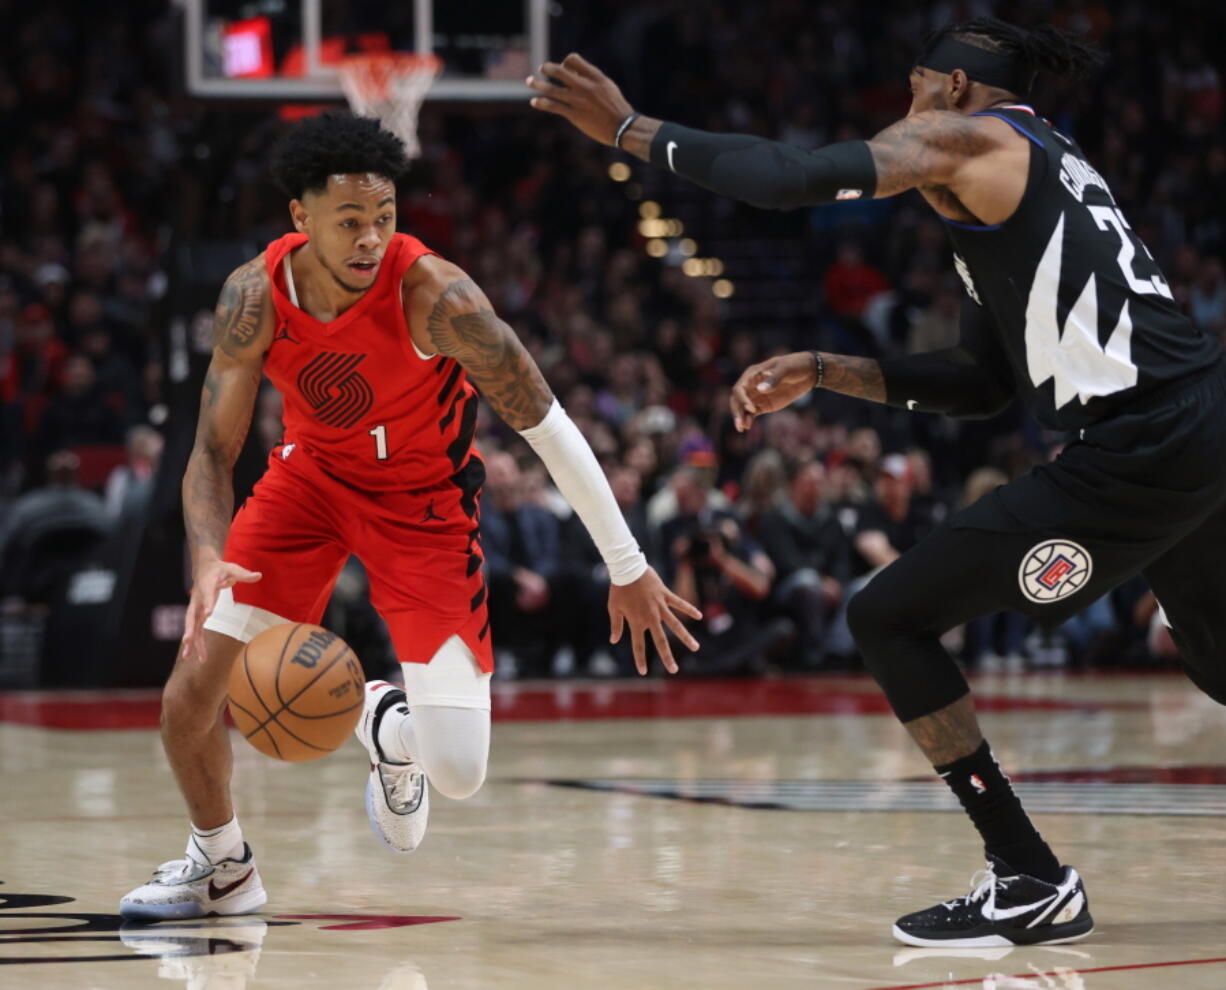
(431, 515)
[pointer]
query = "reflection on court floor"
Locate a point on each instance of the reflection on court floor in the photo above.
(694, 834)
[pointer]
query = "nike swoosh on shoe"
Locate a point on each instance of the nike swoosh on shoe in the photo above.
(216, 892)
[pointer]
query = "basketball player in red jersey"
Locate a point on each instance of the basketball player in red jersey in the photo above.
(375, 344)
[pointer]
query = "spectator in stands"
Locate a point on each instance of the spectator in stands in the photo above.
(521, 544)
(38, 354)
(48, 529)
(811, 555)
(80, 414)
(851, 282)
(710, 561)
(130, 485)
(890, 524)
(763, 488)
(116, 378)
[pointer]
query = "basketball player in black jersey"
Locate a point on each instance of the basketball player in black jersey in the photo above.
(1066, 308)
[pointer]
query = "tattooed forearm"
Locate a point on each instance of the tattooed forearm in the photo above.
(949, 733)
(243, 309)
(856, 376)
(226, 407)
(638, 137)
(926, 150)
(208, 504)
(464, 327)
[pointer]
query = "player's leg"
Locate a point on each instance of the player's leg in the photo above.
(437, 730)
(287, 530)
(217, 874)
(426, 582)
(195, 737)
(1189, 581)
(955, 575)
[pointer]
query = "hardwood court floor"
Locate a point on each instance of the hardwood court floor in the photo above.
(696, 834)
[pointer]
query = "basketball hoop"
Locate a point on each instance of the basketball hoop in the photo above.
(390, 86)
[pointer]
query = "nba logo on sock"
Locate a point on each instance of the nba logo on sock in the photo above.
(978, 784)
(1054, 569)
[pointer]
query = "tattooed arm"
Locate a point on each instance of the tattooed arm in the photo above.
(970, 381)
(449, 315)
(242, 333)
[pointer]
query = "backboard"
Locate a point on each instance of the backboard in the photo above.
(287, 49)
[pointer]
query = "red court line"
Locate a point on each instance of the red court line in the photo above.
(691, 697)
(1079, 970)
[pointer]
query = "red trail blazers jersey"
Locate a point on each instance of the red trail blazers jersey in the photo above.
(359, 398)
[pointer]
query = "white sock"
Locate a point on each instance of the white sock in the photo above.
(396, 734)
(215, 844)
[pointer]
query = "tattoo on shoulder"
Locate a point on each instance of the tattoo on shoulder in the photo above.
(462, 326)
(241, 309)
(920, 151)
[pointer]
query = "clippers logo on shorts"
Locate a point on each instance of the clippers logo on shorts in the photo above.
(335, 389)
(1054, 569)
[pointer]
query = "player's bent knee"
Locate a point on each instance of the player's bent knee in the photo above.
(456, 775)
(870, 618)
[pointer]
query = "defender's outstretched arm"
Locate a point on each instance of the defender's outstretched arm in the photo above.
(926, 149)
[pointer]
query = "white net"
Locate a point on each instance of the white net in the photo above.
(390, 86)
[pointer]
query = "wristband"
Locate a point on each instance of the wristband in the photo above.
(621, 130)
(821, 369)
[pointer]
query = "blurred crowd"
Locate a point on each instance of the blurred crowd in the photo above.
(770, 531)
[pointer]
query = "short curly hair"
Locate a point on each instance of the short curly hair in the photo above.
(335, 143)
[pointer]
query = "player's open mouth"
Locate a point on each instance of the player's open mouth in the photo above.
(363, 267)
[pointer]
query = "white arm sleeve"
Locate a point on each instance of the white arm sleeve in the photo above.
(575, 470)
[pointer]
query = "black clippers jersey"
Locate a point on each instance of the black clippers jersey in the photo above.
(1083, 314)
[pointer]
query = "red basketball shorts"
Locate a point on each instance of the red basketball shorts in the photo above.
(421, 551)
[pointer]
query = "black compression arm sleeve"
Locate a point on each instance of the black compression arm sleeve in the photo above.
(970, 381)
(764, 173)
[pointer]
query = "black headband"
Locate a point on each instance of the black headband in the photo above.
(991, 68)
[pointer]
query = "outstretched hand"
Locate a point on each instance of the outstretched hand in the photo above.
(770, 385)
(580, 92)
(647, 605)
(212, 577)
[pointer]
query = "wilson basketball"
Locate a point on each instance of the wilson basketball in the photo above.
(296, 692)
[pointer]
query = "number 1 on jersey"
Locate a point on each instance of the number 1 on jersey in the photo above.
(380, 435)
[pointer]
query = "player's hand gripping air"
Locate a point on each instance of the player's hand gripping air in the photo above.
(583, 95)
(770, 385)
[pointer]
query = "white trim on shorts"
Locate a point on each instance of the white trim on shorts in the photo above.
(241, 622)
(452, 679)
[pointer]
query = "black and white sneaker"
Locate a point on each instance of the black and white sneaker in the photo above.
(1003, 909)
(397, 798)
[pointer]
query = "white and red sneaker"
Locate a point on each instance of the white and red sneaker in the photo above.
(397, 798)
(185, 888)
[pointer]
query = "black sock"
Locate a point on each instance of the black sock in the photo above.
(995, 811)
